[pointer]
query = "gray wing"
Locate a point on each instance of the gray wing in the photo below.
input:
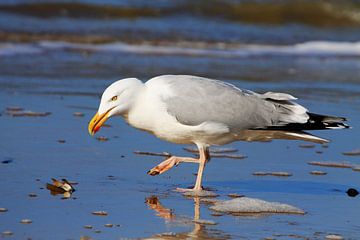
(199, 100)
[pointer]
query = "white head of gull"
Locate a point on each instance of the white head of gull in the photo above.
(194, 110)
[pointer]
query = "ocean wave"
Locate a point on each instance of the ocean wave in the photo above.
(315, 12)
(306, 49)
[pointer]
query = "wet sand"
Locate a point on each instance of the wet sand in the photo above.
(54, 68)
(113, 179)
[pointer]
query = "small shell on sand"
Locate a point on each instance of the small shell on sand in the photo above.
(204, 222)
(246, 205)
(26, 221)
(318, 173)
(307, 145)
(235, 195)
(355, 152)
(100, 213)
(14, 109)
(78, 114)
(334, 237)
(277, 174)
(356, 168)
(331, 164)
(3, 210)
(7, 233)
(102, 139)
(27, 114)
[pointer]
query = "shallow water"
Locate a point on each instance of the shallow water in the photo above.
(64, 70)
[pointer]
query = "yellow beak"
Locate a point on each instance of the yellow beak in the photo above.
(97, 121)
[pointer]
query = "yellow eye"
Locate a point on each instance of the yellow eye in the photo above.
(114, 98)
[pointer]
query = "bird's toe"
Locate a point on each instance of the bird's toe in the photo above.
(153, 172)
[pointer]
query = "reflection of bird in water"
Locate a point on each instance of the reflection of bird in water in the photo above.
(194, 110)
(199, 231)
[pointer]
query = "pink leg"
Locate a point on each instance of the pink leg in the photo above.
(204, 157)
(169, 163)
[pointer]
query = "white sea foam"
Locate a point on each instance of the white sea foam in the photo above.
(9, 49)
(307, 49)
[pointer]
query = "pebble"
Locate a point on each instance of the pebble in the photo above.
(102, 139)
(100, 213)
(331, 164)
(355, 152)
(32, 195)
(334, 237)
(88, 226)
(26, 221)
(352, 192)
(109, 225)
(78, 114)
(3, 210)
(61, 141)
(356, 168)
(7, 233)
(14, 109)
(97, 231)
(318, 173)
(235, 195)
(307, 145)
(276, 174)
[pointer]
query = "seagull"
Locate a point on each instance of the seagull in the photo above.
(186, 109)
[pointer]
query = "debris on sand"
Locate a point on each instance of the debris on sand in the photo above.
(352, 192)
(355, 152)
(204, 222)
(20, 112)
(235, 195)
(7, 233)
(246, 205)
(331, 164)
(277, 174)
(212, 150)
(32, 195)
(26, 221)
(307, 145)
(356, 168)
(78, 114)
(3, 210)
(102, 139)
(163, 154)
(61, 186)
(100, 213)
(14, 109)
(7, 160)
(334, 237)
(318, 173)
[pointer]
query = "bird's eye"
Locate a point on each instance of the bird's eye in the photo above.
(114, 98)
